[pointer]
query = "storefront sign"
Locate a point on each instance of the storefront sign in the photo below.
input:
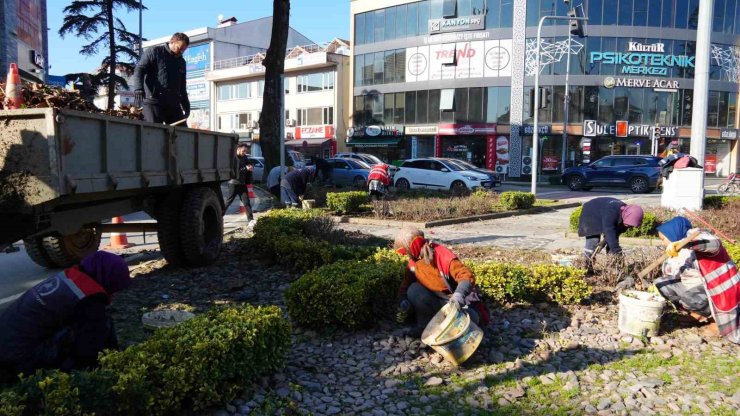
(491, 152)
(550, 163)
(586, 151)
(457, 24)
(643, 59)
(437, 146)
(502, 150)
(728, 134)
(466, 129)
(422, 130)
(591, 128)
(37, 59)
(197, 89)
(660, 84)
(528, 130)
(710, 164)
(197, 60)
(375, 131)
(473, 59)
(314, 132)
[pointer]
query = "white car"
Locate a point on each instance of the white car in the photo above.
(439, 173)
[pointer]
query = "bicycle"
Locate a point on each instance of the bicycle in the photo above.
(731, 185)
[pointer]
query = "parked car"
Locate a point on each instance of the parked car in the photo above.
(259, 167)
(367, 158)
(439, 173)
(493, 176)
(349, 172)
(641, 174)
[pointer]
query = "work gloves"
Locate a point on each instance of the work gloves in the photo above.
(458, 300)
(138, 98)
(672, 249)
(403, 311)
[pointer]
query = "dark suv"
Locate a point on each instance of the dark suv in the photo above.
(639, 173)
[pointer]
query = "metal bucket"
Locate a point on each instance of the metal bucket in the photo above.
(308, 204)
(452, 334)
(640, 313)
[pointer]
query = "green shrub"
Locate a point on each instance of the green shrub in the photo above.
(348, 293)
(195, 365)
(516, 200)
(718, 201)
(733, 250)
(346, 202)
(648, 228)
(502, 282)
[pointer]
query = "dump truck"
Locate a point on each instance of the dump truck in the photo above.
(64, 173)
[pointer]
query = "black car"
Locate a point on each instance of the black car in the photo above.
(641, 174)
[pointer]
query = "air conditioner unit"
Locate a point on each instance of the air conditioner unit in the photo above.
(502, 169)
(254, 124)
(526, 165)
(290, 123)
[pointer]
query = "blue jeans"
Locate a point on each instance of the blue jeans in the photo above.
(288, 197)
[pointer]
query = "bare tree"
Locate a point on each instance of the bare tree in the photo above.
(273, 96)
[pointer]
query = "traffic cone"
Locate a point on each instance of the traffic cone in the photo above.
(118, 240)
(13, 89)
(250, 195)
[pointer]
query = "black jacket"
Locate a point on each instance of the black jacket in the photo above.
(244, 176)
(161, 74)
(603, 216)
(297, 180)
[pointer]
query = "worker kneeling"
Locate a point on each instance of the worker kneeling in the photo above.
(701, 278)
(62, 322)
(378, 180)
(434, 277)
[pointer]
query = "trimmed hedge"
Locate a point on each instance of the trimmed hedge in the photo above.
(346, 202)
(718, 201)
(349, 293)
(648, 228)
(516, 200)
(733, 250)
(195, 365)
(504, 282)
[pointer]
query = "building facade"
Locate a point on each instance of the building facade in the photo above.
(24, 39)
(455, 78)
(317, 91)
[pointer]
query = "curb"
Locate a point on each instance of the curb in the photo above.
(631, 241)
(345, 219)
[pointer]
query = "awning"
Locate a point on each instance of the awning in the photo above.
(372, 142)
(306, 142)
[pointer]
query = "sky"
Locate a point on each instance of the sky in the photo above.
(319, 20)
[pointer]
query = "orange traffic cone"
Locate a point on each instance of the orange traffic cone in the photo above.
(118, 240)
(13, 93)
(250, 195)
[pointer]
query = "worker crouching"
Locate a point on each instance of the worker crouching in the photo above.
(378, 180)
(701, 278)
(434, 277)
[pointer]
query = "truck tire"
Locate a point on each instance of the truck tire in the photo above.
(168, 229)
(35, 250)
(67, 250)
(201, 227)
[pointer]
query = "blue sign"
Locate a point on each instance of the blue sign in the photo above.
(197, 59)
(643, 59)
(56, 80)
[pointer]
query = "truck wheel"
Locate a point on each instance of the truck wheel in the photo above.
(67, 250)
(168, 229)
(35, 250)
(201, 227)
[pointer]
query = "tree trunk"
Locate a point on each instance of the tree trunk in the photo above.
(112, 52)
(273, 95)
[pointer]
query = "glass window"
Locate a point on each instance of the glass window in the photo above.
(593, 44)
(621, 103)
(606, 105)
(412, 19)
(460, 104)
(435, 9)
(378, 68)
(737, 17)
(400, 108)
(653, 13)
(719, 10)
(243, 90)
(723, 108)
(463, 8)
(224, 92)
(625, 12)
(730, 22)
(533, 13)
(594, 11)
(503, 105)
(731, 110)
(693, 14)
(377, 107)
(604, 163)
(667, 14)
(388, 108)
(359, 114)
(493, 16)
(369, 27)
(575, 101)
(547, 8)
(640, 15)
(260, 87)
(447, 100)
(379, 25)
(401, 21)
(713, 109)
(680, 19)
(400, 65)
(410, 107)
(557, 104)
(360, 28)
(368, 69)
(636, 109)
(449, 8)
(477, 7)
(507, 13)
(433, 107)
(490, 101)
(591, 103)
(389, 67)
(608, 45)
(475, 105)
(687, 97)
(390, 23)
(610, 13)
(424, 13)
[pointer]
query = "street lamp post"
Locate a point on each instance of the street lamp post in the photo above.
(535, 134)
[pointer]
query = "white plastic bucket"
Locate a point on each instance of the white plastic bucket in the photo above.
(640, 313)
(452, 334)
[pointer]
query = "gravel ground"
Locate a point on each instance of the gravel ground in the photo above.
(535, 359)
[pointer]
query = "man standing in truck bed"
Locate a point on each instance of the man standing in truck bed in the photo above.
(159, 82)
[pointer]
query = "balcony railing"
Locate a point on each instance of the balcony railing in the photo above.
(260, 56)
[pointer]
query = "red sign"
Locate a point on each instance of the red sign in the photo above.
(491, 152)
(314, 132)
(623, 128)
(437, 146)
(333, 148)
(502, 150)
(710, 164)
(466, 129)
(549, 163)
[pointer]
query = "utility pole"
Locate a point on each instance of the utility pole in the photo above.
(701, 81)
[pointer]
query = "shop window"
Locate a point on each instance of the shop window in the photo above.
(639, 101)
(360, 28)
(713, 109)
(475, 105)
(575, 101)
(606, 105)
(731, 109)
(447, 100)
(422, 99)
(410, 107)
(461, 105)
(590, 103)
(723, 109)
(686, 106)
(434, 105)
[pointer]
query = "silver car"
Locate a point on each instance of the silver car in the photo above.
(259, 167)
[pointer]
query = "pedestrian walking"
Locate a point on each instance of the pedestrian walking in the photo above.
(609, 217)
(159, 82)
(238, 186)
